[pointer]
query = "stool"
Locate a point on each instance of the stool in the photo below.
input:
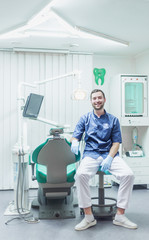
(103, 209)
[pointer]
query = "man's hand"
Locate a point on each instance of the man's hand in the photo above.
(75, 147)
(106, 164)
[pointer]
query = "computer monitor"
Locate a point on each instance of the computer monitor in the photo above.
(32, 105)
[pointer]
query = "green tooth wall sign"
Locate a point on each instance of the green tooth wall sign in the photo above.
(99, 74)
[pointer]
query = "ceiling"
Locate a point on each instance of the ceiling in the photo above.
(126, 20)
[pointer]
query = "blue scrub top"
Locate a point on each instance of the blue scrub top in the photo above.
(100, 133)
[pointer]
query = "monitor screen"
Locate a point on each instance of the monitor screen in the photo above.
(32, 105)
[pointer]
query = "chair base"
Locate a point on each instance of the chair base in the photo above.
(106, 209)
(54, 209)
(103, 210)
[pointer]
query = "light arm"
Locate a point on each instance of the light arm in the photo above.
(44, 120)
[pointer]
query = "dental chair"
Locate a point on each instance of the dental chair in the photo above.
(55, 170)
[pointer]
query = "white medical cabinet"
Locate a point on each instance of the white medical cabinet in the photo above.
(129, 102)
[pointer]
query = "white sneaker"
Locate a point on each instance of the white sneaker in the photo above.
(84, 225)
(122, 220)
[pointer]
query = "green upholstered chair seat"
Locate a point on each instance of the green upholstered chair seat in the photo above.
(49, 153)
(41, 173)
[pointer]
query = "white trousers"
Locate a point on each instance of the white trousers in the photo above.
(88, 168)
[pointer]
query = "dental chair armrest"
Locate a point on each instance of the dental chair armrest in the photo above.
(32, 166)
(77, 156)
(33, 175)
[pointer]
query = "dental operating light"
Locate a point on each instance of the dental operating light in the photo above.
(79, 93)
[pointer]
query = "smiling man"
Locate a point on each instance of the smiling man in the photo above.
(102, 140)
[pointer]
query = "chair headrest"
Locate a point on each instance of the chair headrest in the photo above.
(56, 131)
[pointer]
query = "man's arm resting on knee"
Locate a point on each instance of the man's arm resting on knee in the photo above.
(106, 164)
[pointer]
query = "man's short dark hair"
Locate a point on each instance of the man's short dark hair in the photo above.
(97, 90)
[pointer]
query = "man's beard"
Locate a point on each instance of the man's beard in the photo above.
(98, 108)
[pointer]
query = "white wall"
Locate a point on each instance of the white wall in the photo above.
(113, 65)
(57, 106)
(142, 63)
